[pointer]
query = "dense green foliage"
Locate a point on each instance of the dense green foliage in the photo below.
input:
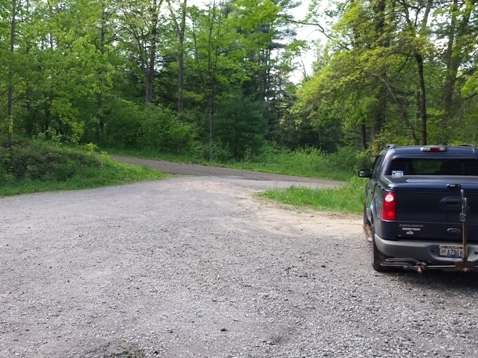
(402, 72)
(214, 80)
(147, 74)
(34, 162)
(309, 162)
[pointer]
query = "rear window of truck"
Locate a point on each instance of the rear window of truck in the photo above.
(412, 166)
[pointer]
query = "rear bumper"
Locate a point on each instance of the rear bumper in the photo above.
(425, 251)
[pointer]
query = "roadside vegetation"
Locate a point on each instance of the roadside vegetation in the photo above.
(308, 162)
(347, 198)
(35, 166)
(29, 167)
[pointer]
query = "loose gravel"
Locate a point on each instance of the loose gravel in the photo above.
(197, 266)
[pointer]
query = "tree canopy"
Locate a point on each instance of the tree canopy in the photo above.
(215, 78)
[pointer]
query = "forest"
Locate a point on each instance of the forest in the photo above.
(215, 79)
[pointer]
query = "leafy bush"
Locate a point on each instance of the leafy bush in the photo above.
(303, 161)
(161, 130)
(269, 153)
(156, 128)
(348, 159)
(241, 126)
(344, 159)
(123, 124)
(221, 153)
(41, 162)
(311, 162)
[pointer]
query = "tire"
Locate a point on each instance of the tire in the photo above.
(367, 226)
(378, 257)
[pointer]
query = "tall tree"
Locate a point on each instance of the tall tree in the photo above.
(180, 26)
(459, 31)
(60, 67)
(10, 73)
(390, 49)
(103, 38)
(226, 41)
(415, 37)
(141, 21)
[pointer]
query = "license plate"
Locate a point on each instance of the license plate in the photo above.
(452, 251)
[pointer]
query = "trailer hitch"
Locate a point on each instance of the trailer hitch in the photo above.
(406, 263)
(464, 265)
(420, 266)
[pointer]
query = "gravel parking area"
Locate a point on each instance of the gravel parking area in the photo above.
(197, 266)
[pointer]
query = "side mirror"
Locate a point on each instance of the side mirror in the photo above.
(365, 173)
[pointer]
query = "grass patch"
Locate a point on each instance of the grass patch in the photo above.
(308, 162)
(30, 167)
(347, 198)
(154, 154)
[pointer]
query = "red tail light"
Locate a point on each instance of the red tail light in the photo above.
(389, 206)
(434, 148)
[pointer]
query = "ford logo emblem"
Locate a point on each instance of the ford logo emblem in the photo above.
(453, 230)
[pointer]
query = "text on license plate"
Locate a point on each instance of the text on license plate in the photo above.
(453, 251)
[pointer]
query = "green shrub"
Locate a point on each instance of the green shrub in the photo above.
(123, 124)
(5, 164)
(153, 128)
(41, 162)
(347, 159)
(160, 130)
(221, 153)
(269, 153)
(240, 124)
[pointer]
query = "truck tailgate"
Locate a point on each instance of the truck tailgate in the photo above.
(434, 211)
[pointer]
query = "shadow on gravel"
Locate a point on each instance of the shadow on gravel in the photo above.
(121, 349)
(437, 280)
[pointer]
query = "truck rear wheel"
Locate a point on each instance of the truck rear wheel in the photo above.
(378, 257)
(367, 226)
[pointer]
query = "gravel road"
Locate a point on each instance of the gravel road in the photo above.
(197, 266)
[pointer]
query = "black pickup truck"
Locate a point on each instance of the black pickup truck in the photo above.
(421, 208)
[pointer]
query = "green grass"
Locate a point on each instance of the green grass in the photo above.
(347, 198)
(41, 167)
(153, 154)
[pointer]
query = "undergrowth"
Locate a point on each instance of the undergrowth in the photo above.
(29, 166)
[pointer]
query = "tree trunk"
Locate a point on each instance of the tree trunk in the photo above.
(99, 117)
(153, 44)
(363, 136)
(382, 41)
(211, 121)
(181, 31)
(10, 75)
(453, 58)
(99, 96)
(422, 99)
(150, 70)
